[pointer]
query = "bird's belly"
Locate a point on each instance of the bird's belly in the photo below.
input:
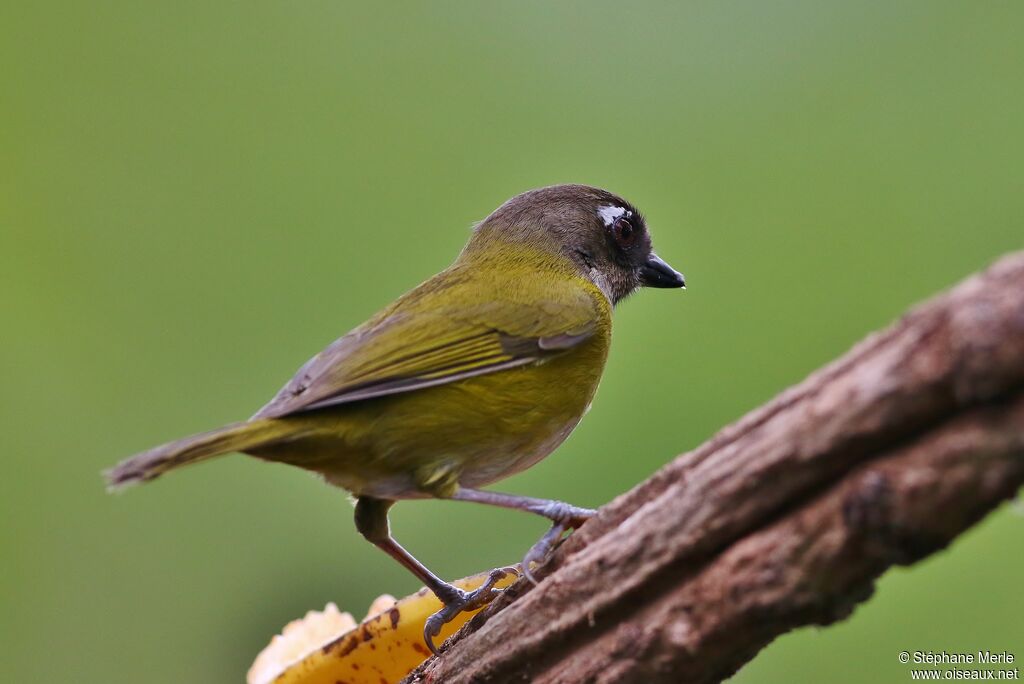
(502, 463)
(429, 442)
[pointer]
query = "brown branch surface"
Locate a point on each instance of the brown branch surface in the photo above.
(784, 518)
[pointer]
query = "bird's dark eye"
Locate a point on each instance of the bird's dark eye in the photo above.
(623, 232)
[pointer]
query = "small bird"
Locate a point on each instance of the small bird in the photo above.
(477, 374)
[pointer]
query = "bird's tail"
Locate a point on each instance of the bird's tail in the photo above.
(153, 463)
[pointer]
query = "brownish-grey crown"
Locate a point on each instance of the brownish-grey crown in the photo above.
(603, 234)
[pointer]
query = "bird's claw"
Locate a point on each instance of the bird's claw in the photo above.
(568, 515)
(462, 601)
(539, 551)
(565, 518)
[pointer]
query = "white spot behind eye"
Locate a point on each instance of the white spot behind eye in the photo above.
(609, 213)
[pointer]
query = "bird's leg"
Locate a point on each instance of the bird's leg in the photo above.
(372, 523)
(563, 517)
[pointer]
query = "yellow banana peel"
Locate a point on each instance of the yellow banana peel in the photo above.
(329, 647)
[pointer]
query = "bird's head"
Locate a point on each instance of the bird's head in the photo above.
(605, 236)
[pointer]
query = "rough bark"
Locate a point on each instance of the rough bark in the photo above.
(784, 518)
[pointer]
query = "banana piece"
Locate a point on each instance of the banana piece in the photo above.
(329, 647)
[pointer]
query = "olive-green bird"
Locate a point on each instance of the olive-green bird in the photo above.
(475, 375)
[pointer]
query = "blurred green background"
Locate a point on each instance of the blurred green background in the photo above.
(195, 197)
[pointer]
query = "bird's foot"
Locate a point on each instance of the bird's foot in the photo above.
(564, 517)
(568, 515)
(458, 601)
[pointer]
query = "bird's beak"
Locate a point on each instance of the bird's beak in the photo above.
(656, 273)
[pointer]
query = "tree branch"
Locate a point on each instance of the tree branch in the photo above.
(784, 518)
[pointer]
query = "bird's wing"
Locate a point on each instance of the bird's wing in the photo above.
(416, 344)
